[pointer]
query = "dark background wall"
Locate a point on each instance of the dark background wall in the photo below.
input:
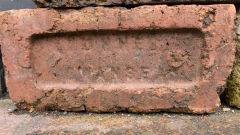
(15, 4)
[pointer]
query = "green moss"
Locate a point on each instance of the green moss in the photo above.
(232, 94)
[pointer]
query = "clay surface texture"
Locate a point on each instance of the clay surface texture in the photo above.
(143, 59)
(232, 93)
(84, 3)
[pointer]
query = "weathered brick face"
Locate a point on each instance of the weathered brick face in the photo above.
(84, 3)
(144, 59)
(232, 93)
(116, 58)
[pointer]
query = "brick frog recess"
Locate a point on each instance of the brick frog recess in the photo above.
(144, 59)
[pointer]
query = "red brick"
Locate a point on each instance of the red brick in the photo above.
(84, 3)
(144, 59)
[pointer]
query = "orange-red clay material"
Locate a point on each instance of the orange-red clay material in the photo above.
(99, 59)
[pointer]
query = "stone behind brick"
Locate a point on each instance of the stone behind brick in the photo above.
(98, 59)
(84, 3)
(232, 93)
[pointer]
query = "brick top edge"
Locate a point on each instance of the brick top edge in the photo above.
(85, 3)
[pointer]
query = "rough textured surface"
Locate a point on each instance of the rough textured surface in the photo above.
(115, 59)
(232, 93)
(7, 5)
(20, 122)
(52, 65)
(84, 3)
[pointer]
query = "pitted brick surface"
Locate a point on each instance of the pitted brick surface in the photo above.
(144, 59)
(84, 3)
(232, 93)
(113, 58)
